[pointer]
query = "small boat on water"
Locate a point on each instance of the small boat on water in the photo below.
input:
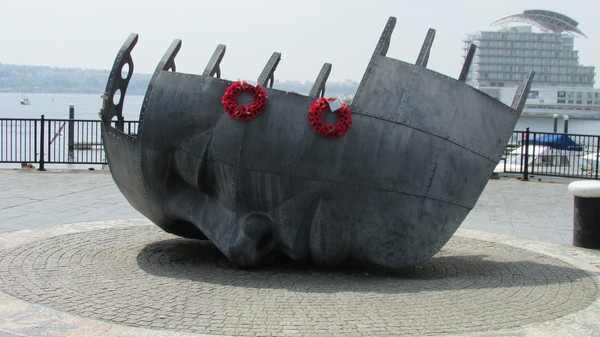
(25, 100)
(589, 163)
(552, 153)
(541, 157)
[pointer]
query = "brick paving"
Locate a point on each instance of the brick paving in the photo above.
(142, 277)
(75, 258)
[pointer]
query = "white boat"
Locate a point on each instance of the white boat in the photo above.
(539, 156)
(556, 154)
(25, 100)
(589, 163)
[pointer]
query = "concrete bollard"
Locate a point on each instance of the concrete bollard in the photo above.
(586, 220)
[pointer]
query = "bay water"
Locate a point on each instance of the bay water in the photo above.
(574, 125)
(56, 106)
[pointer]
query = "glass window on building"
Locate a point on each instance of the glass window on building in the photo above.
(561, 94)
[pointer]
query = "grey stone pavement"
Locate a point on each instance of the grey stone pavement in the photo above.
(54, 212)
(30, 199)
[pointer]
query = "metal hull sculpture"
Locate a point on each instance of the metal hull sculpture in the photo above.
(391, 191)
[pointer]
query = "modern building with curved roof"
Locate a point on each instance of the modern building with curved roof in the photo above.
(504, 58)
(546, 20)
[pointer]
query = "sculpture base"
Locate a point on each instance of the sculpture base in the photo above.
(114, 276)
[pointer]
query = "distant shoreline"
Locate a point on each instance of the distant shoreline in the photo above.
(59, 92)
(27, 79)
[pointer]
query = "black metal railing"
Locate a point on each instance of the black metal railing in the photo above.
(54, 141)
(19, 140)
(551, 154)
(70, 141)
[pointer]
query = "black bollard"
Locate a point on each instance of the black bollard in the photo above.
(586, 215)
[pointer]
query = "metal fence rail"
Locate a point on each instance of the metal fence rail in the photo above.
(53, 141)
(19, 140)
(551, 154)
(70, 141)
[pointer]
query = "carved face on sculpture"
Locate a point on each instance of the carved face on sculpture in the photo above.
(388, 182)
(251, 186)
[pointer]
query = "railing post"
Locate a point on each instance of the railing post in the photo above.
(597, 154)
(525, 161)
(35, 141)
(42, 154)
(71, 132)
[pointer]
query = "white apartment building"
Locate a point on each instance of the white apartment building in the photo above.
(504, 58)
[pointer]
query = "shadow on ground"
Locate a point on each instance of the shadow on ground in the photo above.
(463, 264)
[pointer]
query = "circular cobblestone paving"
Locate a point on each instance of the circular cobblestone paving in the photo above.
(140, 276)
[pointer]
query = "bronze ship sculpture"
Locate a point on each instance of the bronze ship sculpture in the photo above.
(388, 184)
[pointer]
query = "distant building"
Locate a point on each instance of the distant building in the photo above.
(505, 57)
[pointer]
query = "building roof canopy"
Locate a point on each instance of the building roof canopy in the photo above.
(546, 20)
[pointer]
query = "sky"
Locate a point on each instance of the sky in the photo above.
(85, 34)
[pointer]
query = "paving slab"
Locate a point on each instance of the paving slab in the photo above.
(538, 210)
(32, 199)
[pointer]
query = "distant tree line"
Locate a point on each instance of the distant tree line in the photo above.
(44, 79)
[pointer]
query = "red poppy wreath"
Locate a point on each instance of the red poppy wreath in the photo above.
(244, 112)
(315, 114)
